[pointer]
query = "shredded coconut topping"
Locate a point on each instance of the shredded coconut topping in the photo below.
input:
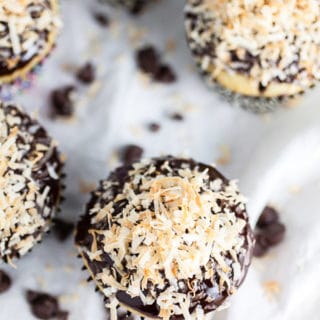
(270, 41)
(26, 30)
(166, 230)
(27, 198)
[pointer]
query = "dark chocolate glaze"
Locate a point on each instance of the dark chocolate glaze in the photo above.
(40, 172)
(207, 294)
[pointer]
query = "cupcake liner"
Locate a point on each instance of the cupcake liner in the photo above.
(258, 105)
(22, 83)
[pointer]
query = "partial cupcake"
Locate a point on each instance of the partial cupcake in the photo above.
(133, 6)
(256, 53)
(30, 179)
(166, 238)
(28, 32)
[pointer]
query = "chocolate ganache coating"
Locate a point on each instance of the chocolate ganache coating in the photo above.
(30, 179)
(166, 238)
(28, 31)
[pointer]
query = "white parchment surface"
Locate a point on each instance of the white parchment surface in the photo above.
(276, 158)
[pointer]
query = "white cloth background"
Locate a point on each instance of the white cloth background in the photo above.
(276, 159)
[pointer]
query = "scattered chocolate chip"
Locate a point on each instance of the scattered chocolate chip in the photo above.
(154, 127)
(261, 246)
(62, 315)
(177, 116)
(131, 153)
(148, 60)
(138, 7)
(5, 281)
(165, 74)
(269, 231)
(274, 233)
(102, 19)
(43, 305)
(62, 229)
(268, 216)
(87, 73)
(62, 101)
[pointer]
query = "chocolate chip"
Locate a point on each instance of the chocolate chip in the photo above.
(261, 246)
(62, 229)
(62, 101)
(102, 19)
(274, 233)
(154, 127)
(176, 116)
(43, 305)
(87, 73)
(165, 74)
(5, 281)
(148, 59)
(131, 153)
(138, 7)
(126, 316)
(62, 315)
(268, 216)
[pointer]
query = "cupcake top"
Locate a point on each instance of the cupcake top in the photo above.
(271, 48)
(166, 238)
(27, 30)
(30, 170)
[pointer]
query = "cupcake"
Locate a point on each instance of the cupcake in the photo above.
(258, 54)
(28, 32)
(133, 6)
(30, 179)
(166, 238)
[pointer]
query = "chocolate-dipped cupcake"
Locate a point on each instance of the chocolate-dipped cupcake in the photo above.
(166, 238)
(28, 32)
(133, 6)
(30, 180)
(256, 53)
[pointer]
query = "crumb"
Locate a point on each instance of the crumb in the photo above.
(225, 157)
(62, 229)
(62, 101)
(86, 186)
(154, 127)
(45, 306)
(5, 282)
(63, 157)
(165, 74)
(171, 45)
(176, 116)
(271, 288)
(136, 34)
(131, 153)
(87, 73)
(102, 19)
(295, 189)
